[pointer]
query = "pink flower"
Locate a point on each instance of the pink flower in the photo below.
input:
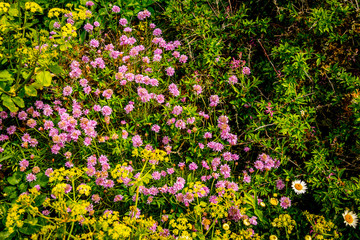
(246, 71)
(183, 59)
(157, 32)
(233, 79)
(106, 110)
(123, 22)
(31, 177)
(197, 89)
(170, 71)
(107, 93)
(67, 91)
(155, 128)
(177, 110)
(115, 9)
(174, 90)
(285, 202)
(94, 43)
(118, 198)
(193, 166)
(136, 140)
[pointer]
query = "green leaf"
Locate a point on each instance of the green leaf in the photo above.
(7, 102)
(56, 69)
(5, 76)
(44, 78)
(5, 235)
(30, 91)
(15, 179)
(13, 12)
(19, 101)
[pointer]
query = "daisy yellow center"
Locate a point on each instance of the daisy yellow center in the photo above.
(298, 186)
(349, 218)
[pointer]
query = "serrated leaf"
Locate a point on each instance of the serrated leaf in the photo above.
(30, 91)
(44, 78)
(19, 101)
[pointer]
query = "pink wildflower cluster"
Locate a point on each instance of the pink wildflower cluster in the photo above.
(266, 163)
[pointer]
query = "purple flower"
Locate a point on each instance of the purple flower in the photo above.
(233, 79)
(285, 202)
(155, 128)
(88, 27)
(30, 177)
(280, 184)
(115, 9)
(193, 166)
(170, 71)
(67, 91)
(246, 71)
(136, 140)
(106, 110)
(123, 22)
(157, 32)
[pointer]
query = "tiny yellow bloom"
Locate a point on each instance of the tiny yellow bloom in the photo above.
(273, 237)
(226, 226)
(274, 201)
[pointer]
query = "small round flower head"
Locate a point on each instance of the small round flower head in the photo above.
(67, 91)
(246, 71)
(299, 186)
(285, 202)
(350, 218)
(123, 22)
(115, 9)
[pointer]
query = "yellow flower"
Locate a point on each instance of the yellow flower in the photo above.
(262, 204)
(226, 226)
(246, 222)
(350, 218)
(274, 201)
(273, 237)
(308, 237)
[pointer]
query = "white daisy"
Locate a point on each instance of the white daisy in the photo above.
(350, 218)
(299, 186)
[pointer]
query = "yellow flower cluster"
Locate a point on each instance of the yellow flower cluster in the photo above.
(119, 172)
(59, 190)
(197, 188)
(156, 155)
(58, 175)
(180, 225)
(14, 217)
(55, 12)
(111, 227)
(33, 7)
(4, 7)
(321, 227)
(78, 209)
(68, 30)
(284, 221)
(84, 189)
(81, 14)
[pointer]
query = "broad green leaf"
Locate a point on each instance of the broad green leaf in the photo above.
(19, 101)
(30, 91)
(5, 76)
(56, 69)
(13, 12)
(15, 179)
(44, 78)
(7, 102)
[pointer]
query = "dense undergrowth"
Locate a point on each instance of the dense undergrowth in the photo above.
(179, 119)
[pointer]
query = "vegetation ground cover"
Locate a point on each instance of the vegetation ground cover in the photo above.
(179, 119)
